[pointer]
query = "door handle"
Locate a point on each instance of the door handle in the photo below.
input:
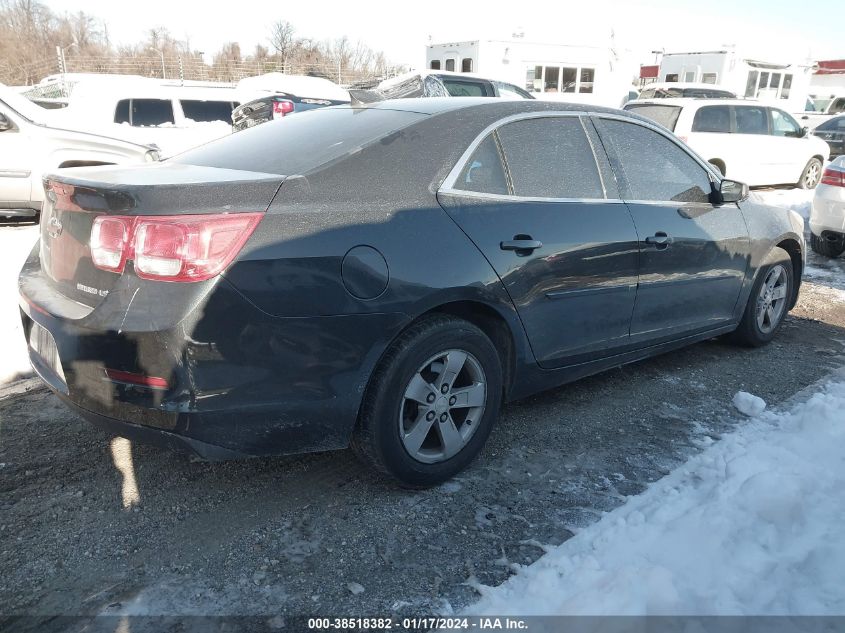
(522, 244)
(660, 240)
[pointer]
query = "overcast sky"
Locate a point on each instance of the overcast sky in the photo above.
(771, 28)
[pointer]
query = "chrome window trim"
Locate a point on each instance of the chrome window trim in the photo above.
(510, 198)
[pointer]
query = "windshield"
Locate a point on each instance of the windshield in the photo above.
(22, 106)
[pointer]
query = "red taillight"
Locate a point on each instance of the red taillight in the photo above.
(833, 177)
(171, 248)
(128, 377)
(281, 107)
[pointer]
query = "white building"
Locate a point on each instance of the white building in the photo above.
(600, 75)
(787, 83)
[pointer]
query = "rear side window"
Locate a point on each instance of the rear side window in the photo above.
(203, 111)
(712, 119)
(457, 88)
(665, 115)
(147, 112)
(651, 167)
(298, 145)
(484, 171)
(751, 120)
(550, 158)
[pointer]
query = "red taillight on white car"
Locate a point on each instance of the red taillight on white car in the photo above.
(281, 107)
(833, 177)
(171, 248)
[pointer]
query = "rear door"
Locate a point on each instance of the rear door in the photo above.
(543, 209)
(693, 254)
(754, 155)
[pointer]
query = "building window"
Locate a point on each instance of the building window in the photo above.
(672, 78)
(450, 65)
(708, 78)
(751, 84)
(774, 82)
(689, 76)
(568, 78)
(435, 64)
(551, 79)
(787, 85)
(466, 65)
(587, 78)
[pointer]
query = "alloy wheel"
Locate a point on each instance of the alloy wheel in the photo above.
(771, 300)
(442, 406)
(811, 178)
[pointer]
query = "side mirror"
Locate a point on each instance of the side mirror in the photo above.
(804, 131)
(5, 124)
(733, 191)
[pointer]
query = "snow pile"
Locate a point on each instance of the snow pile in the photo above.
(799, 200)
(15, 244)
(751, 526)
(749, 404)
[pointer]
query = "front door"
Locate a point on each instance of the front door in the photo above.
(533, 199)
(693, 254)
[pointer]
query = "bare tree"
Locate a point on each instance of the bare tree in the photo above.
(282, 39)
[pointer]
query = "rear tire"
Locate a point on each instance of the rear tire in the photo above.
(825, 247)
(768, 303)
(431, 402)
(811, 175)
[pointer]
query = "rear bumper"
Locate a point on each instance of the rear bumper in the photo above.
(828, 211)
(239, 381)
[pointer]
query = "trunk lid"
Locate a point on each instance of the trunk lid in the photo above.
(76, 197)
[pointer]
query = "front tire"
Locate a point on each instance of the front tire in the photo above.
(431, 403)
(769, 301)
(826, 247)
(811, 175)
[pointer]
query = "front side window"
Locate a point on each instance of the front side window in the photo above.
(712, 119)
(121, 112)
(651, 167)
(784, 125)
(550, 158)
(466, 65)
(838, 106)
(148, 112)
(751, 120)
(484, 172)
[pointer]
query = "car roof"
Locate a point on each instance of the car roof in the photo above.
(685, 84)
(437, 105)
(698, 101)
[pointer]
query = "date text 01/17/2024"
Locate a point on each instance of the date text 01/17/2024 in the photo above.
(419, 624)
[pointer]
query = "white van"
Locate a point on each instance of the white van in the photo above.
(745, 140)
(32, 144)
(172, 117)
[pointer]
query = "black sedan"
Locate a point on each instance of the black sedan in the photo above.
(387, 276)
(833, 131)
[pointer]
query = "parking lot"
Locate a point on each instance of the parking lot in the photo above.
(95, 525)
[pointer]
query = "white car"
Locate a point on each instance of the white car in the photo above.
(748, 141)
(827, 216)
(140, 110)
(669, 90)
(31, 144)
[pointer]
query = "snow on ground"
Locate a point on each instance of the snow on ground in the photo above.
(749, 404)
(751, 526)
(15, 244)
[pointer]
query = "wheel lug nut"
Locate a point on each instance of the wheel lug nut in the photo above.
(452, 401)
(429, 416)
(444, 389)
(444, 417)
(430, 398)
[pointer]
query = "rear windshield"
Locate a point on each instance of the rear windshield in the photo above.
(297, 144)
(665, 115)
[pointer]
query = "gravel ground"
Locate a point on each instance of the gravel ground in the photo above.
(96, 525)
